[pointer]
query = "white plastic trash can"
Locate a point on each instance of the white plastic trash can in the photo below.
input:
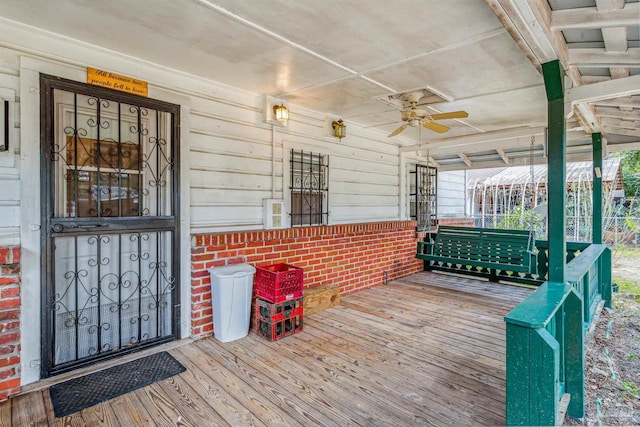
(231, 288)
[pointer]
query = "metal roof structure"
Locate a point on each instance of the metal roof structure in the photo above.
(576, 172)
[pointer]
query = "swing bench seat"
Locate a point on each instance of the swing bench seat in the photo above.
(493, 249)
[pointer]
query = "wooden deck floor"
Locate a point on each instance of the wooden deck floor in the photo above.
(424, 350)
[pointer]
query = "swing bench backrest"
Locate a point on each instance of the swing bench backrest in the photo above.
(511, 250)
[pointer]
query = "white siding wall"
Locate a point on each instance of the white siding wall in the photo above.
(237, 160)
(451, 194)
(9, 160)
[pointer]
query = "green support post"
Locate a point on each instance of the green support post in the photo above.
(552, 74)
(574, 354)
(596, 139)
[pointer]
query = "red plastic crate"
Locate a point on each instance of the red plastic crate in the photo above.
(275, 312)
(273, 331)
(279, 282)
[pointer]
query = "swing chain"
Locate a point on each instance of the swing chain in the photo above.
(531, 170)
(533, 185)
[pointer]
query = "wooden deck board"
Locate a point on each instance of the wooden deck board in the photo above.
(427, 349)
(212, 375)
(5, 414)
(402, 380)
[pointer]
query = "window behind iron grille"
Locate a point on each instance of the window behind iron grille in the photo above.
(309, 188)
(4, 125)
(422, 197)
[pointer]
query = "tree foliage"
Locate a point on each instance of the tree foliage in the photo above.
(631, 173)
(520, 218)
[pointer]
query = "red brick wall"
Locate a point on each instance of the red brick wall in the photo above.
(353, 256)
(463, 222)
(9, 321)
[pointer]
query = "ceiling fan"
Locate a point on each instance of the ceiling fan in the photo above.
(416, 117)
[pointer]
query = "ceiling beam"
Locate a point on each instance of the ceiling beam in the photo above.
(617, 113)
(615, 38)
(479, 139)
(603, 90)
(621, 123)
(529, 24)
(592, 18)
(571, 157)
(627, 146)
(627, 103)
(601, 58)
(586, 116)
(588, 80)
(522, 145)
(533, 40)
(465, 159)
(619, 72)
(610, 4)
(503, 155)
(621, 131)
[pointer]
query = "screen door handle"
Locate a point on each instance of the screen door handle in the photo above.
(58, 228)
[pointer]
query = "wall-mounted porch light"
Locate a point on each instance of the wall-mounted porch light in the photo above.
(339, 129)
(281, 113)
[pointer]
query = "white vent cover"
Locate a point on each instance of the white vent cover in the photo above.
(274, 213)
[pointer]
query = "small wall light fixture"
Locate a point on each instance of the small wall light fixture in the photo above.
(339, 129)
(281, 113)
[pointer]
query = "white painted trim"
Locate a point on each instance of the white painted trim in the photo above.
(408, 165)
(403, 186)
(185, 225)
(604, 90)
(600, 57)
(30, 226)
(8, 158)
(592, 17)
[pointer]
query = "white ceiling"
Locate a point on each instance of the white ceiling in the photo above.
(341, 57)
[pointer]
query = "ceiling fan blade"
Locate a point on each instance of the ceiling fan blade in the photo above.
(451, 115)
(436, 127)
(397, 131)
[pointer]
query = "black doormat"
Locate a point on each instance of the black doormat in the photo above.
(80, 393)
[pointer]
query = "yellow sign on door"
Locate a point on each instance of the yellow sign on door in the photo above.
(116, 81)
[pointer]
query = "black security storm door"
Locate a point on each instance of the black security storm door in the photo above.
(110, 196)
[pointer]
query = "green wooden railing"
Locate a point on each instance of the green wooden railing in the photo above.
(590, 275)
(542, 248)
(545, 341)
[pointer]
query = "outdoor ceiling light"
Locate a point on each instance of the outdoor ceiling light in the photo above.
(339, 129)
(281, 113)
